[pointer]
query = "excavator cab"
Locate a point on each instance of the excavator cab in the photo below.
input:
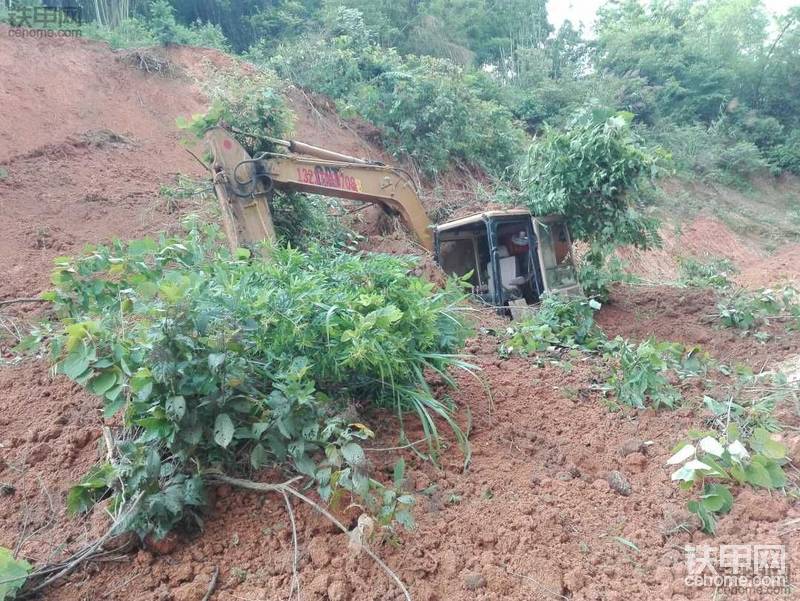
(508, 256)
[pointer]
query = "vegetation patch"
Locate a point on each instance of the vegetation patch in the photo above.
(749, 311)
(714, 273)
(640, 375)
(215, 362)
(712, 463)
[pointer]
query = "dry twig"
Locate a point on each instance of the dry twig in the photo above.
(212, 585)
(286, 489)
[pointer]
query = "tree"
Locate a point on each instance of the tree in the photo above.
(591, 172)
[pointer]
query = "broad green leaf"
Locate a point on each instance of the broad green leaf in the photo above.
(215, 360)
(682, 454)
(79, 500)
(223, 430)
(13, 573)
(111, 407)
(717, 498)
(176, 407)
(77, 361)
(354, 454)
(258, 457)
(399, 471)
(709, 444)
(758, 475)
(102, 382)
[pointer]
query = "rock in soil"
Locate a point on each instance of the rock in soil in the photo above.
(618, 483)
(633, 445)
(473, 581)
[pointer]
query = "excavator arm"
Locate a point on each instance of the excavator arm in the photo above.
(243, 185)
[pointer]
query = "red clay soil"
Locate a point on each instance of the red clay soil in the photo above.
(687, 315)
(87, 142)
(532, 518)
(705, 238)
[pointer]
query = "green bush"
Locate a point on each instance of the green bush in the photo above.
(216, 362)
(253, 105)
(557, 323)
(641, 374)
(131, 33)
(749, 311)
(742, 158)
(644, 370)
(591, 172)
(786, 156)
(715, 154)
(303, 220)
(713, 462)
(600, 268)
(158, 26)
(714, 273)
(428, 109)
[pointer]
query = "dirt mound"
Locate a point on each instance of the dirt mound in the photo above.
(88, 143)
(756, 230)
(687, 315)
(533, 517)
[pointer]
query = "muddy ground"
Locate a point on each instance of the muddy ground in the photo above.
(88, 142)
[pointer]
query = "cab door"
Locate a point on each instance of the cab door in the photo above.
(556, 259)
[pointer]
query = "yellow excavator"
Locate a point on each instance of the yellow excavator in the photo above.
(512, 258)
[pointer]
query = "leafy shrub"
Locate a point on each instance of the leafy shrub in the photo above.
(714, 273)
(742, 158)
(427, 108)
(166, 30)
(590, 173)
(159, 26)
(786, 156)
(641, 374)
(430, 111)
(751, 310)
(715, 154)
(559, 323)
(304, 220)
(253, 105)
(598, 270)
(715, 462)
(215, 361)
(131, 33)
(644, 373)
(751, 402)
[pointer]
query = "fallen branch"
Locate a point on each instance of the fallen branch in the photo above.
(212, 585)
(14, 301)
(286, 489)
(90, 551)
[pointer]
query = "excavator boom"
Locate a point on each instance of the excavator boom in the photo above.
(243, 185)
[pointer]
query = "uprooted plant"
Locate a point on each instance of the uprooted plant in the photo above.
(216, 362)
(713, 462)
(750, 401)
(748, 311)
